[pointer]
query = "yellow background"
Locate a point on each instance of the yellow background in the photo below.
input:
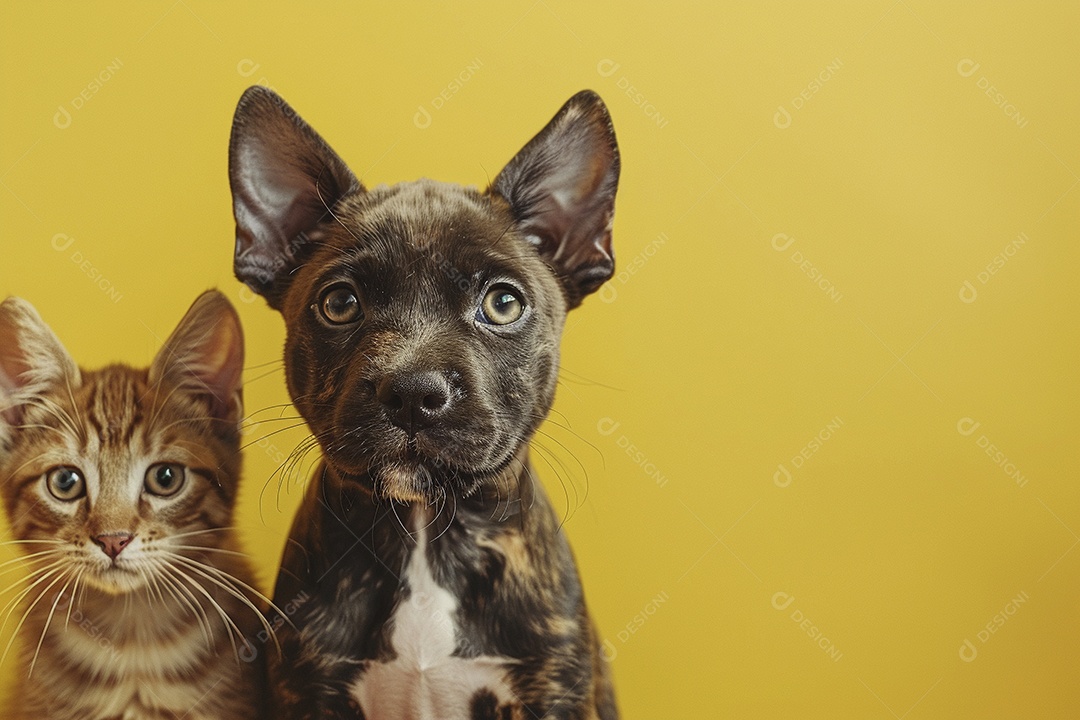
(896, 177)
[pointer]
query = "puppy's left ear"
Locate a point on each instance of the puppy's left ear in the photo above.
(561, 189)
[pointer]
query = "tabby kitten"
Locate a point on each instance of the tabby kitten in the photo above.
(119, 486)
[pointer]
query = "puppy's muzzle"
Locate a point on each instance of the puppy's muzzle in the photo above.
(415, 400)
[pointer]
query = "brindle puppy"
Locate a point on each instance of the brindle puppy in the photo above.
(426, 570)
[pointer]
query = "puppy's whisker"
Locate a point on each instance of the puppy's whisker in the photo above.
(561, 472)
(581, 465)
(579, 379)
(393, 509)
(286, 468)
(249, 380)
(253, 423)
(318, 191)
(280, 407)
(272, 433)
(277, 361)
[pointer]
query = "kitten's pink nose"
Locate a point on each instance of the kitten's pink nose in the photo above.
(112, 544)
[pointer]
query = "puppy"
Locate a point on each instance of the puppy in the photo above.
(426, 573)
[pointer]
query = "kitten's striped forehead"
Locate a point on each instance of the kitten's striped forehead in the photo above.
(117, 437)
(114, 408)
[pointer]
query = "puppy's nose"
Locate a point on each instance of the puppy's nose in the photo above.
(112, 544)
(415, 400)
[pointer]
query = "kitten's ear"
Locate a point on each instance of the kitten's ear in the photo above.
(284, 180)
(32, 359)
(204, 356)
(561, 189)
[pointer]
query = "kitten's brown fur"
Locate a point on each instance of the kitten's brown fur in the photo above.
(126, 635)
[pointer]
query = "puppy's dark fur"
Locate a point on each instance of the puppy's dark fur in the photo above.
(423, 323)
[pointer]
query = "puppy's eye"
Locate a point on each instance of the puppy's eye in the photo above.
(165, 479)
(339, 305)
(65, 483)
(502, 305)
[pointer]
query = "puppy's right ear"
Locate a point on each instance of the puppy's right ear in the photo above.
(285, 180)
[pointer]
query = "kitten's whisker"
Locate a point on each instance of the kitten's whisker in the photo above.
(218, 571)
(230, 626)
(31, 461)
(78, 411)
(209, 549)
(48, 621)
(29, 541)
(187, 420)
(41, 574)
(57, 411)
(153, 585)
(152, 425)
(28, 557)
(181, 593)
(229, 584)
(15, 631)
(71, 603)
(176, 581)
(38, 426)
(201, 532)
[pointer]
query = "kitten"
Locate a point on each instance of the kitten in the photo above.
(119, 486)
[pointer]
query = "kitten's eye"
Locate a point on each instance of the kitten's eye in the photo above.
(502, 305)
(65, 483)
(339, 305)
(165, 479)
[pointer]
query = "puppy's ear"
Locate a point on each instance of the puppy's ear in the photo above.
(204, 357)
(285, 179)
(561, 189)
(32, 360)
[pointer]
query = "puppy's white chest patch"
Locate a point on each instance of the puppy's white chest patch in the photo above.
(426, 680)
